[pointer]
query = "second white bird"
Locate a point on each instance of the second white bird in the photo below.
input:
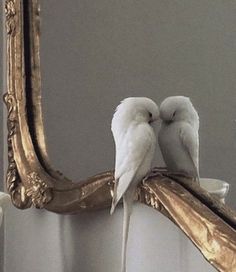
(178, 137)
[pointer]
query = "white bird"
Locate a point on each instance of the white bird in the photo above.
(178, 137)
(135, 143)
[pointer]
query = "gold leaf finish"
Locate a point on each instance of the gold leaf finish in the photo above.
(38, 190)
(211, 235)
(10, 12)
(12, 173)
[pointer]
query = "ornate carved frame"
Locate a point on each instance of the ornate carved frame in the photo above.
(31, 180)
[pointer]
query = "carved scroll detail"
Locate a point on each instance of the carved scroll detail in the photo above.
(10, 12)
(151, 199)
(12, 173)
(38, 190)
(13, 181)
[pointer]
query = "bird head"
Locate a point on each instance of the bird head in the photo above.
(178, 108)
(139, 109)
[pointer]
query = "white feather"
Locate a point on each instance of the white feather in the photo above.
(178, 137)
(135, 145)
(133, 157)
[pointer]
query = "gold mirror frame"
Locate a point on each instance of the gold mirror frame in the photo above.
(31, 180)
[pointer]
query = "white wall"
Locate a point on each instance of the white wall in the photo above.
(94, 53)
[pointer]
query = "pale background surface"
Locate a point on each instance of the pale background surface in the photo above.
(95, 53)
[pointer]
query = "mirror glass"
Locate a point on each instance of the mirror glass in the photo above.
(95, 53)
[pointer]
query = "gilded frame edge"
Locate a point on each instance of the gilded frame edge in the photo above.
(32, 181)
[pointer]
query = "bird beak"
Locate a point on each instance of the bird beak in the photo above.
(154, 120)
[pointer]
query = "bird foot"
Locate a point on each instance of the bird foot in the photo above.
(159, 170)
(155, 172)
(178, 174)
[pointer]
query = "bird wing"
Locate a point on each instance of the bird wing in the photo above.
(129, 157)
(190, 142)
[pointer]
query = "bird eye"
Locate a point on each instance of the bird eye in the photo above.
(150, 115)
(173, 114)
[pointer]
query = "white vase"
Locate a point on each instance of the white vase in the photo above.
(215, 187)
(4, 202)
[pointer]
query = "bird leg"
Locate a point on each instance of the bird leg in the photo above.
(178, 174)
(159, 169)
(154, 172)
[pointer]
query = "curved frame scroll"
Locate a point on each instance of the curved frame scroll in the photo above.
(31, 181)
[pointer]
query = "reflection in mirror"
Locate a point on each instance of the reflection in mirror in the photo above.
(101, 52)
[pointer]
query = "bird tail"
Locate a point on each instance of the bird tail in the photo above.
(113, 206)
(120, 187)
(127, 203)
(114, 198)
(197, 177)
